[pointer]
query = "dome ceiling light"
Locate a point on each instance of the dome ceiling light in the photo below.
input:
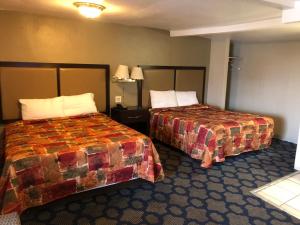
(89, 10)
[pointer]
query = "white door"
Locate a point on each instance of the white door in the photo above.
(297, 158)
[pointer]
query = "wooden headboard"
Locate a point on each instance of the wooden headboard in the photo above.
(163, 78)
(47, 80)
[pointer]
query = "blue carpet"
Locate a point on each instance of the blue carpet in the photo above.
(188, 195)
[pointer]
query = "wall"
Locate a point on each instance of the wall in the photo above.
(218, 71)
(268, 83)
(25, 37)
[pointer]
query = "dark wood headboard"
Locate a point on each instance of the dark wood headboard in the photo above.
(46, 80)
(180, 78)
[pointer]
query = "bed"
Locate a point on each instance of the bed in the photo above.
(48, 159)
(209, 134)
(204, 132)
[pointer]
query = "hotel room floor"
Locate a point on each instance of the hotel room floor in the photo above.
(188, 194)
(289, 189)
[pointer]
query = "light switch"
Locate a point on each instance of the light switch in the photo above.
(118, 99)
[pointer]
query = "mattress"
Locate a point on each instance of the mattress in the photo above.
(49, 159)
(210, 134)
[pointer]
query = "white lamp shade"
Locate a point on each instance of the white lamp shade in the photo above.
(122, 72)
(137, 73)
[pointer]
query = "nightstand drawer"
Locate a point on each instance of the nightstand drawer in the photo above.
(130, 115)
(133, 116)
(136, 118)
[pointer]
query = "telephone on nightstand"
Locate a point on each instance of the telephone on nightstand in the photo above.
(120, 106)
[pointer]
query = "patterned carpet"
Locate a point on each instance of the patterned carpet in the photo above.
(188, 195)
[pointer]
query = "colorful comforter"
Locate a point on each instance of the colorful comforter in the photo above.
(209, 134)
(49, 159)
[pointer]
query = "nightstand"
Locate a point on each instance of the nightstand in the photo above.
(134, 117)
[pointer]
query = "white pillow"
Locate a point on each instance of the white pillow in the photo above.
(79, 104)
(185, 98)
(33, 109)
(163, 99)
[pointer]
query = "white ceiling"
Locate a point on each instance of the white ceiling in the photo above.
(173, 15)
(283, 32)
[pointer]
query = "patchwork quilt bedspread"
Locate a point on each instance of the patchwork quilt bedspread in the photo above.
(49, 159)
(210, 134)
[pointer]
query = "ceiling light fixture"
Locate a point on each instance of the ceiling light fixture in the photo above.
(89, 10)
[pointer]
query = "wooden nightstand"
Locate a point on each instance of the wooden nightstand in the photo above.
(134, 117)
